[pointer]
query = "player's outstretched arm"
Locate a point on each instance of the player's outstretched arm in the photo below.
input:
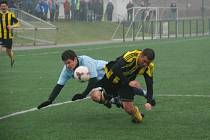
(55, 92)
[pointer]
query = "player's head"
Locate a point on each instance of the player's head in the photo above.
(146, 57)
(4, 6)
(69, 58)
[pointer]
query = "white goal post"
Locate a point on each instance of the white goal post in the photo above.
(147, 15)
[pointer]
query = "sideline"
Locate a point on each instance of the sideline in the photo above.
(67, 102)
(172, 40)
(35, 109)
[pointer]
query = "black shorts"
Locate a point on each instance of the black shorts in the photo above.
(7, 43)
(126, 93)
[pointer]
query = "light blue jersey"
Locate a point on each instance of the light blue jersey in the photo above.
(96, 68)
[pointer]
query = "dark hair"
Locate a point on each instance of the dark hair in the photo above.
(3, 2)
(68, 54)
(149, 53)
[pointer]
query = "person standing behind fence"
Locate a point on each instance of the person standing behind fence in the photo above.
(45, 6)
(109, 10)
(66, 6)
(8, 21)
(129, 10)
(173, 10)
(52, 10)
(28, 6)
(56, 10)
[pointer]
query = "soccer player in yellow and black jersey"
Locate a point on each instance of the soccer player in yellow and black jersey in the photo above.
(8, 21)
(118, 79)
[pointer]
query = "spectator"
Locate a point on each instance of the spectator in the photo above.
(99, 10)
(11, 4)
(73, 9)
(51, 4)
(56, 10)
(109, 10)
(66, 6)
(45, 6)
(173, 10)
(38, 10)
(28, 6)
(129, 10)
(83, 10)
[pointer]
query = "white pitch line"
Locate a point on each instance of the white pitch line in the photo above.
(177, 95)
(34, 109)
(67, 102)
(99, 48)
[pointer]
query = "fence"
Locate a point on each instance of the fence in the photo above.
(33, 31)
(166, 29)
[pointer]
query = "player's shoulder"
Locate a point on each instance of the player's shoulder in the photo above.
(10, 12)
(152, 65)
(129, 55)
(85, 60)
(84, 57)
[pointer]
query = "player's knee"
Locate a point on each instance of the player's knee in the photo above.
(135, 84)
(95, 95)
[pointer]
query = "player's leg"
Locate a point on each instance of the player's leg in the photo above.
(11, 56)
(100, 96)
(127, 95)
(133, 111)
(138, 90)
(7, 43)
(1, 49)
(1, 46)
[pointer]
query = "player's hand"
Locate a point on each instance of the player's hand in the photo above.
(9, 27)
(153, 102)
(77, 97)
(148, 106)
(44, 104)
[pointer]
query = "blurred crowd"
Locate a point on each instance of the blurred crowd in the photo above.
(73, 9)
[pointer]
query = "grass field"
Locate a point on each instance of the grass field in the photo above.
(181, 89)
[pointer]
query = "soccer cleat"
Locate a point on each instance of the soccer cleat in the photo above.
(12, 62)
(134, 121)
(142, 114)
(137, 116)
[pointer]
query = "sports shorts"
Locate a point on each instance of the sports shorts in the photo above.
(126, 93)
(7, 43)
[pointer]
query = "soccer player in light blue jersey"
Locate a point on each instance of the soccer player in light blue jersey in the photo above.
(72, 61)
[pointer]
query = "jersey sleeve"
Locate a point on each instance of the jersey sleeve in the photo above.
(92, 68)
(130, 56)
(15, 21)
(64, 76)
(148, 75)
(150, 69)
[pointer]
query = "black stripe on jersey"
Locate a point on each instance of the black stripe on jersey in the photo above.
(131, 70)
(12, 21)
(2, 29)
(6, 22)
(129, 66)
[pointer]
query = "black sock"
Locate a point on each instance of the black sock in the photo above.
(140, 92)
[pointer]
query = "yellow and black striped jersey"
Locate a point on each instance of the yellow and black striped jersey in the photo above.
(7, 19)
(126, 68)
